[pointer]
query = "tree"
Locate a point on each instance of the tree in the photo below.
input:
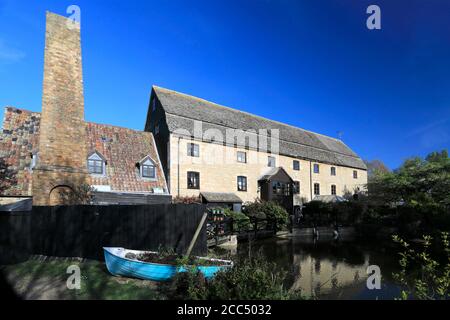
(375, 166)
(80, 194)
(418, 182)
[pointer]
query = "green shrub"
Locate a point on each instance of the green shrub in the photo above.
(267, 210)
(255, 279)
(241, 222)
(423, 276)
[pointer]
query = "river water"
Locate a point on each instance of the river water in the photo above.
(327, 268)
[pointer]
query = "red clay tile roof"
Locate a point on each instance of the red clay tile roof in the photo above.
(122, 149)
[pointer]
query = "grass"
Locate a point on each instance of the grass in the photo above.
(96, 281)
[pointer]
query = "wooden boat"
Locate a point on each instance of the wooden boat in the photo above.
(119, 263)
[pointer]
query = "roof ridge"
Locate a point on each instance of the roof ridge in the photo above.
(115, 126)
(244, 112)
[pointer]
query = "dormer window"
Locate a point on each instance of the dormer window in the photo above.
(96, 164)
(147, 168)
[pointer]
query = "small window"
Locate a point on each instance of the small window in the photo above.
(333, 189)
(148, 169)
(316, 168)
(242, 183)
(271, 162)
(333, 171)
(296, 187)
(296, 165)
(33, 161)
(355, 174)
(154, 104)
(96, 164)
(193, 150)
(193, 180)
(316, 189)
(242, 157)
(156, 129)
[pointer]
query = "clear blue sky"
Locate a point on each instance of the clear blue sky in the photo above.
(309, 63)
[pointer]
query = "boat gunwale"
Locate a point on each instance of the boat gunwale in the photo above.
(229, 262)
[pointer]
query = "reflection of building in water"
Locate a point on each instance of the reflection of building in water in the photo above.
(315, 275)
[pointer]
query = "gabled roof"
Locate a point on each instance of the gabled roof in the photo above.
(275, 172)
(182, 110)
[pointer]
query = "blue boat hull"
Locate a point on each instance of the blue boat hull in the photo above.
(120, 266)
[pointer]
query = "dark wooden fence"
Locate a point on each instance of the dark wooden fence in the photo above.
(82, 231)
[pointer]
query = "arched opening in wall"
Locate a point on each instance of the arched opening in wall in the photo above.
(61, 195)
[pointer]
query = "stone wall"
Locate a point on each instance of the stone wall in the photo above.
(19, 139)
(219, 169)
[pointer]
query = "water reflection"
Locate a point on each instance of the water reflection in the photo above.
(326, 268)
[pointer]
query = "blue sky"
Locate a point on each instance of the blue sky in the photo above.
(308, 63)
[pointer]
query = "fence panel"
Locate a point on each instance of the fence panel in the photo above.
(82, 231)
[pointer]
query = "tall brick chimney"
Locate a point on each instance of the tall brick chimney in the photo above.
(61, 162)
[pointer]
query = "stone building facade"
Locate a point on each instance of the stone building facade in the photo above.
(46, 155)
(316, 164)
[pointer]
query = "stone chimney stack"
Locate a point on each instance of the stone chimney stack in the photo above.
(61, 162)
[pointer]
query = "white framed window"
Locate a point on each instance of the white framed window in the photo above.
(296, 187)
(333, 171)
(316, 168)
(316, 189)
(193, 150)
(193, 180)
(96, 164)
(271, 162)
(33, 163)
(147, 169)
(242, 183)
(242, 156)
(333, 189)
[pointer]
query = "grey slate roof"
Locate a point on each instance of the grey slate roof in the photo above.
(182, 110)
(221, 197)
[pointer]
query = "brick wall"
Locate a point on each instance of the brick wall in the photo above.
(62, 143)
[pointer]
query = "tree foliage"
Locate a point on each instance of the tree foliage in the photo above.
(375, 167)
(267, 210)
(81, 194)
(253, 279)
(417, 183)
(423, 276)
